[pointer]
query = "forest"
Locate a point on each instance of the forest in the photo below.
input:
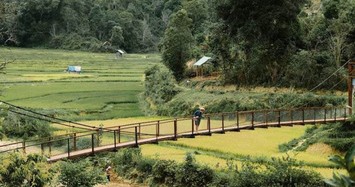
(270, 43)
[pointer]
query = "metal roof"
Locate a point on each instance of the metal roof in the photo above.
(120, 51)
(202, 61)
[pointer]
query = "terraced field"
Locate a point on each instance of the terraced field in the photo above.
(107, 92)
(106, 88)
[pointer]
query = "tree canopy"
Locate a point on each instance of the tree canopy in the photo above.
(273, 43)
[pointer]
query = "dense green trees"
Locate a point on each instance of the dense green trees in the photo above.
(256, 39)
(80, 173)
(160, 87)
(20, 170)
(21, 126)
(177, 44)
(273, 43)
(89, 25)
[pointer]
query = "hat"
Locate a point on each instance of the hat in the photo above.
(202, 109)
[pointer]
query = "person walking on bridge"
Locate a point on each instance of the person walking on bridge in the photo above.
(198, 116)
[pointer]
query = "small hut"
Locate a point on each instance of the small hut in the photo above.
(74, 69)
(198, 66)
(119, 53)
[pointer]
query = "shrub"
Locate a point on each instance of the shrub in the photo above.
(281, 172)
(82, 173)
(248, 176)
(222, 179)
(164, 172)
(24, 127)
(143, 170)
(159, 85)
(191, 174)
(126, 159)
(18, 170)
(346, 163)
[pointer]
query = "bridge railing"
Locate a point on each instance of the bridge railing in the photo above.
(154, 131)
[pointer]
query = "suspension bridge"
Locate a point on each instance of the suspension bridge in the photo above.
(90, 140)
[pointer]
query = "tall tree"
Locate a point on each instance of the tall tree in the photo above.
(34, 21)
(264, 34)
(177, 43)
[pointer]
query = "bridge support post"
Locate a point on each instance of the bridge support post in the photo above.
(158, 129)
(325, 116)
(279, 118)
(209, 125)
(136, 136)
(175, 129)
(24, 147)
(192, 128)
(119, 134)
(42, 149)
(114, 139)
(252, 120)
(92, 143)
(139, 131)
(223, 124)
(74, 141)
(238, 129)
(68, 147)
(50, 146)
(303, 117)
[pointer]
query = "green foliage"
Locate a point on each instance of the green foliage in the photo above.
(127, 159)
(18, 170)
(251, 33)
(130, 164)
(164, 172)
(281, 172)
(230, 101)
(340, 136)
(160, 86)
(104, 25)
(80, 173)
(15, 125)
(192, 174)
(176, 44)
(347, 163)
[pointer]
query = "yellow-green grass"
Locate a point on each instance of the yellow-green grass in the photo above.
(260, 143)
(107, 88)
(178, 155)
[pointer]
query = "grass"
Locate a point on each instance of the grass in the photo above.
(107, 88)
(260, 144)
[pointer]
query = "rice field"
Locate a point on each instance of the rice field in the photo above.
(107, 87)
(217, 149)
(106, 93)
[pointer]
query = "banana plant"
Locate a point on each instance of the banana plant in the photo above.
(347, 163)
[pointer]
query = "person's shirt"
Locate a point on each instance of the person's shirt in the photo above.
(198, 113)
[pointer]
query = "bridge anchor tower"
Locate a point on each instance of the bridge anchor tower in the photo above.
(351, 84)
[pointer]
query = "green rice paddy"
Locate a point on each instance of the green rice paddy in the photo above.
(106, 92)
(107, 87)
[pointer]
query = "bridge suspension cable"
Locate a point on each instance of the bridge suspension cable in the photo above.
(49, 118)
(321, 83)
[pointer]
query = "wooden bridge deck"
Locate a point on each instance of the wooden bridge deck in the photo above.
(113, 147)
(117, 137)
